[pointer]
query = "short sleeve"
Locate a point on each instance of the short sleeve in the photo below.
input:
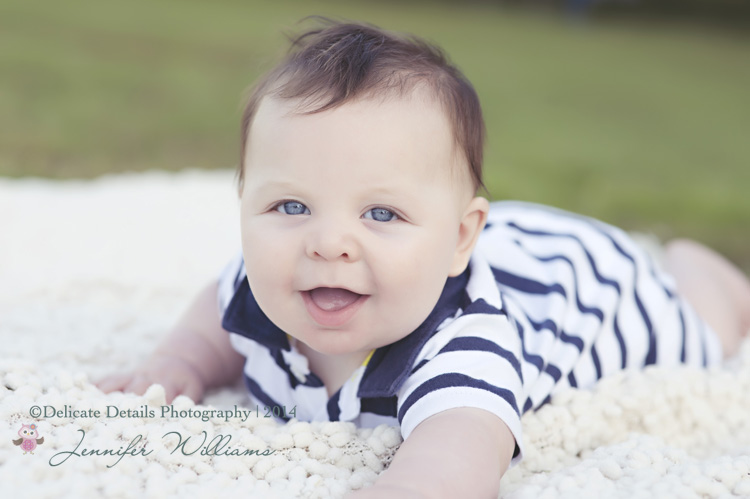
(230, 279)
(472, 362)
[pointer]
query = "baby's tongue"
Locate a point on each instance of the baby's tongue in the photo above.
(332, 299)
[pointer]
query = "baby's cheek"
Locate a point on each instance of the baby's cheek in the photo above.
(266, 251)
(414, 291)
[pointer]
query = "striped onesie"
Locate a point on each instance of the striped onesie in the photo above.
(549, 300)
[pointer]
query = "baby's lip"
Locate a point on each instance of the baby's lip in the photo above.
(333, 286)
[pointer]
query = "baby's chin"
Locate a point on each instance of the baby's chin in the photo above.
(331, 343)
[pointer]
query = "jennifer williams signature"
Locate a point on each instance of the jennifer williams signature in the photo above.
(217, 446)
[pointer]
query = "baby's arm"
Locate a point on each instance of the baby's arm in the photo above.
(460, 452)
(195, 356)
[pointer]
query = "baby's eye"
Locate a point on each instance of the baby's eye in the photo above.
(381, 215)
(292, 208)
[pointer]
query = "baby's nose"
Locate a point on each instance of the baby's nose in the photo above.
(333, 241)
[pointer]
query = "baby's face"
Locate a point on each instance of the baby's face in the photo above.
(350, 219)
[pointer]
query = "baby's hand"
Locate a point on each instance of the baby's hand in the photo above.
(175, 374)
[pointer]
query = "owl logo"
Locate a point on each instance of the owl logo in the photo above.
(28, 440)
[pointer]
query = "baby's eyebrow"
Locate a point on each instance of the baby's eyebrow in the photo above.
(277, 184)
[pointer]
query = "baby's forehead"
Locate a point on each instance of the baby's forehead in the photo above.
(396, 110)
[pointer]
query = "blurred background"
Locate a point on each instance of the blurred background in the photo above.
(637, 113)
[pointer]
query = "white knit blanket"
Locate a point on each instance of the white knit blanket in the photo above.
(93, 273)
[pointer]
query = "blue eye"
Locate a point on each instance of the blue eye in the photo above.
(292, 208)
(381, 215)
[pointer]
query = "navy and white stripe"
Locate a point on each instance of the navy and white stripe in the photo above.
(549, 300)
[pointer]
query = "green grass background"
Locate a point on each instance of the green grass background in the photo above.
(642, 124)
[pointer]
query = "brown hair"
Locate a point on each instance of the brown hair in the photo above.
(340, 62)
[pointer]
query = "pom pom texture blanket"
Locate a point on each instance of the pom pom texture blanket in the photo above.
(92, 275)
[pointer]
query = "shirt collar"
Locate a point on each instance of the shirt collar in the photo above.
(244, 317)
(389, 365)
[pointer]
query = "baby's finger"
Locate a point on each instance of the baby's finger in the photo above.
(170, 392)
(193, 391)
(114, 382)
(139, 384)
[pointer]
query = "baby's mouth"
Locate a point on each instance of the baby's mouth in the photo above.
(333, 299)
(332, 307)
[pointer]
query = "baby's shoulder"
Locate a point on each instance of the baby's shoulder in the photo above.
(541, 255)
(518, 212)
(522, 224)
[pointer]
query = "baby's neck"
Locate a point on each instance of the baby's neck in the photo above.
(333, 370)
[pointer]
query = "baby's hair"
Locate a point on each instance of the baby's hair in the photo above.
(340, 62)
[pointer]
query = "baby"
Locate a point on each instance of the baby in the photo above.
(375, 286)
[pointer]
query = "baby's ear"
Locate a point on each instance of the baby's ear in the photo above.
(471, 226)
